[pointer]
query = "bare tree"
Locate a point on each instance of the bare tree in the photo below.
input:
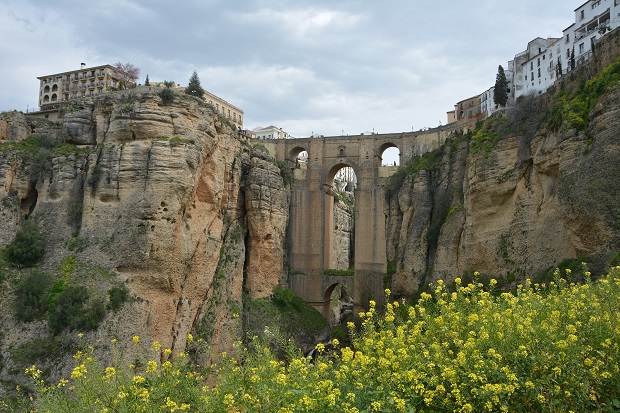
(127, 74)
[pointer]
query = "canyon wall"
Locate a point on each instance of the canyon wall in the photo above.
(513, 210)
(165, 200)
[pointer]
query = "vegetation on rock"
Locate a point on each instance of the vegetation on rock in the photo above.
(27, 248)
(545, 348)
(193, 88)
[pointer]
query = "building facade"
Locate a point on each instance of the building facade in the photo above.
(544, 60)
(60, 88)
(230, 112)
(271, 132)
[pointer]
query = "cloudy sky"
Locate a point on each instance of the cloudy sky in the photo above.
(322, 67)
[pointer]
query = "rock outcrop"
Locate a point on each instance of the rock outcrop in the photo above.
(511, 212)
(166, 200)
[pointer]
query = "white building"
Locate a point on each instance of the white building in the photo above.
(535, 68)
(538, 67)
(593, 19)
(270, 132)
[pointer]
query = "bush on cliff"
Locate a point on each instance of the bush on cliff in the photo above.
(27, 248)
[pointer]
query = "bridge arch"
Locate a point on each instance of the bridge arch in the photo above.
(295, 151)
(338, 301)
(330, 242)
(389, 150)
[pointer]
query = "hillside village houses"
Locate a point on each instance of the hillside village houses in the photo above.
(59, 89)
(544, 60)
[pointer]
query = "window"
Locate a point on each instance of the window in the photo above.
(582, 15)
(531, 65)
(581, 48)
(568, 38)
(567, 53)
(538, 62)
(532, 76)
(544, 57)
(539, 72)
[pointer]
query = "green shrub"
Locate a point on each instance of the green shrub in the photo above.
(167, 96)
(69, 311)
(117, 296)
(27, 248)
(31, 296)
(339, 273)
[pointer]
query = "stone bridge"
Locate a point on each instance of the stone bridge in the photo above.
(310, 229)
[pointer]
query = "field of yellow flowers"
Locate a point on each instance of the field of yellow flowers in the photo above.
(541, 348)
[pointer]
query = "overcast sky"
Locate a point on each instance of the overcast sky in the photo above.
(322, 67)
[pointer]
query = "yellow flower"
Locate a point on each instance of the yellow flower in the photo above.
(136, 339)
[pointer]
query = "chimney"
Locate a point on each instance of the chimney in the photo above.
(82, 65)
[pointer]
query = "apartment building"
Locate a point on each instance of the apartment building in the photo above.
(535, 68)
(544, 60)
(593, 19)
(230, 112)
(62, 87)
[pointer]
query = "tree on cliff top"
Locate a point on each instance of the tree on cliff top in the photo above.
(500, 94)
(127, 73)
(194, 88)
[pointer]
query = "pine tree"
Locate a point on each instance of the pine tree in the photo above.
(500, 94)
(559, 68)
(146, 81)
(194, 88)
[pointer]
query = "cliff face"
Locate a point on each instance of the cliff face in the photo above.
(530, 202)
(163, 199)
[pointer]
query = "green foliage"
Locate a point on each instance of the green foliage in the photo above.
(77, 244)
(175, 140)
(31, 296)
(194, 88)
(69, 310)
(37, 151)
(500, 93)
(487, 134)
(166, 95)
(285, 172)
(429, 161)
(48, 348)
(169, 83)
(147, 82)
(339, 273)
(285, 312)
(571, 109)
(117, 297)
(539, 350)
(27, 248)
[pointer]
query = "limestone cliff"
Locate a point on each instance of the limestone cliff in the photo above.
(164, 199)
(514, 205)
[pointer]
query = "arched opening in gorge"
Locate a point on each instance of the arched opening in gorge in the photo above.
(339, 304)
(298, 157)
(389, 154)
(339, 188)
